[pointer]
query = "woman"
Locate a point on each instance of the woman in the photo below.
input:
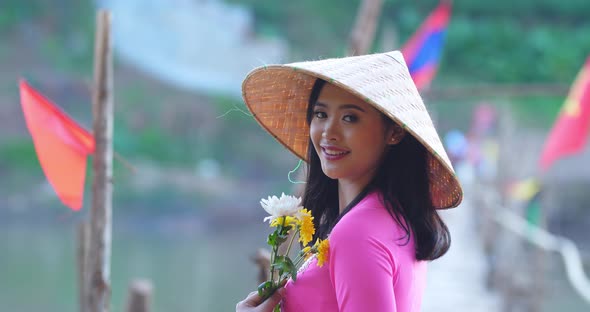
(377, 172)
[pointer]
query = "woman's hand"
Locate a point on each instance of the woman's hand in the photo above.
(253, 303)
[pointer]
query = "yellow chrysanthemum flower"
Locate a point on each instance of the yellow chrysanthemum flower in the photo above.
(302, 214)
(306, 252)
(306, 227)
(288, 221)
(323, 252)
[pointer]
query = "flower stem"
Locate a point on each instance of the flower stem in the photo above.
(272, 260)
(275, 251)
(299, 260)
(291, 242)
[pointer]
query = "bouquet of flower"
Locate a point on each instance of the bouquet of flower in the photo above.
(289, 219)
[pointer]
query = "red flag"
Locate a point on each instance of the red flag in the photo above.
(570, 131)
(61, 145)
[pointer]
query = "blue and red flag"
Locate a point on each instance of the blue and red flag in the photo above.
(423, 51)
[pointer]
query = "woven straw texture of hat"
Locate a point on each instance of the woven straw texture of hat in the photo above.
(278, 95)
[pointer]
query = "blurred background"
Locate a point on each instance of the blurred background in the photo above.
(189, 218)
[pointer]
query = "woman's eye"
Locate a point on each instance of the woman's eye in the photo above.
(350, 118)
(319, 114)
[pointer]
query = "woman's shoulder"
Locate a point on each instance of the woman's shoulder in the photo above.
(369, 210)
(369, 218)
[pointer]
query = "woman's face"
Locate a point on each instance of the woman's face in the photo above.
(349, 135)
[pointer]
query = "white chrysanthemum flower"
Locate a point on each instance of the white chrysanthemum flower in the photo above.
(279, 207)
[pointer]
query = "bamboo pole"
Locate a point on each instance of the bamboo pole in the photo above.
(82, 257)
(100, 216)
(389, 39)
(140, 294)
(363, 33)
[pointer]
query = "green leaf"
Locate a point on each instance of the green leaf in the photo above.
(272, 239)
(266, 289)
(278, 264)
(294, 275)
(284, 231)
(276, 238)
(284, 264)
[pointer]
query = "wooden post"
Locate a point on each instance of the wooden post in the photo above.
(82, 257)
(100, 215)
(262, 260)
(363, 33)
(389, 39)
(140, 293)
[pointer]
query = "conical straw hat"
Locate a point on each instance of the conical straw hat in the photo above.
(277, 96)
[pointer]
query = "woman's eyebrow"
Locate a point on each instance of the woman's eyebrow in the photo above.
(351, 106)
(343, 106)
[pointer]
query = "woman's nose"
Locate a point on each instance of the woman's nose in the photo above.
(331, 131)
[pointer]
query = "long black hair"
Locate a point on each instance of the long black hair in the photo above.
(401, 179)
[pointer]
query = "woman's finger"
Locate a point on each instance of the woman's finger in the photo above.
(273, 300)
(252, 300)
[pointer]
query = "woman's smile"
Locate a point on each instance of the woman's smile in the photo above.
(332, 153)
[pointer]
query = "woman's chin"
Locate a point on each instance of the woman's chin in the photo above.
(332, 174)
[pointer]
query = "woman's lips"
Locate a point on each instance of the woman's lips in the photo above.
(333, 153)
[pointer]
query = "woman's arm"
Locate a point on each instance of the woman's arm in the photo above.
(362, 272)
